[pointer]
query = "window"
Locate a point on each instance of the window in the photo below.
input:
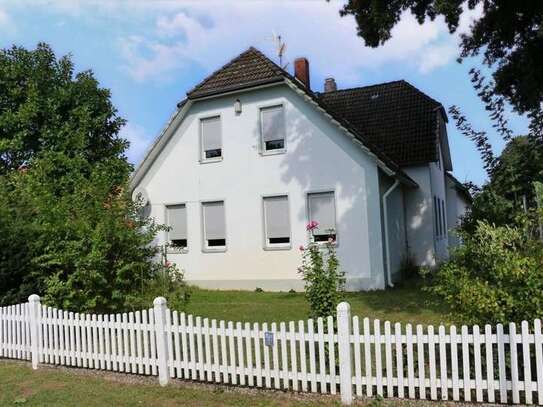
(444, 219)
(436, 217)
(273, 128)
(211, 138)
(322, 208)
(276, 221)
(176, 218)
(214, 225)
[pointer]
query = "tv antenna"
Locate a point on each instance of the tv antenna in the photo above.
(280, 48)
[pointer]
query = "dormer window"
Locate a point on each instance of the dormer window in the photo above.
(211, 140)
(272, 125)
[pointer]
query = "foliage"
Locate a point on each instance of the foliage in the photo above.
(168, 283)
(495, 276)
(324, 281)
(510, 190)
(45, 106)
(507, 34)
(69, 230)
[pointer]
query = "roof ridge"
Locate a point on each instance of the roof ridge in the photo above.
(249, 50)
(363, 87)
(400, 81)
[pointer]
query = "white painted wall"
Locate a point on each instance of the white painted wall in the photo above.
(396, 224)
(419, 217)
(437, 181)
(319, 157)
(457, 207)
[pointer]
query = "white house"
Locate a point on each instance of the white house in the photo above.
(252, 154)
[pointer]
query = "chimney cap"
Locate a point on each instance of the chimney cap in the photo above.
(330, 85)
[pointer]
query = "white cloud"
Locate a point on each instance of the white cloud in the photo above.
(139, 141)
(6, 22)
(210, 33)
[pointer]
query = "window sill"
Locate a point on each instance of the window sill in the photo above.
(214, 250)
(278, 247)
(183, 250)
(273, 152)
(210, 160)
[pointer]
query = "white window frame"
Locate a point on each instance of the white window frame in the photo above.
(205, 247)
(308, 209)
(176, 249)
(203, 158)
(263, 150)
(266, 244)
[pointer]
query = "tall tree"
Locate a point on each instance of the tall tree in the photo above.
(44, 105)
(508, 34)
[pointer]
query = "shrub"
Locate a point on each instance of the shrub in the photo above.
(495, 276)
(324, 282)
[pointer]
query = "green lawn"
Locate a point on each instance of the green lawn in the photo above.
(406, 303)
(20, 385)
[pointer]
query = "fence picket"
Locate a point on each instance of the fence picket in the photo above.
(465, 364)
(399, 359)
(248, 344)
(224, 355)
(357, 360)
(293, 355)
(275, 356)
(184, 347)
(410, 368)
(388, 358)
(489, 364)
(454, 363)
(378, 361)
(501, 363)
(303, 367)
(216, 355)
(332, 355)
(207, 349)
(312, 363)
(514, 363)
(526, 362)
(322, 356)
(258, 360)
(367, 357)
(477, 364)
(420, 360)
(538, 343)
(265, 351)
(232, 353)
(200, 349)
(145, 328)
(241, 362)
(432, 363)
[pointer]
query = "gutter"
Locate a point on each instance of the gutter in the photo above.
(385, 217)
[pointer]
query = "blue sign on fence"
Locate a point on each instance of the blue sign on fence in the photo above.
(268, 338)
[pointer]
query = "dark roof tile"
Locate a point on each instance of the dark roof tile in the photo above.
(396, 117)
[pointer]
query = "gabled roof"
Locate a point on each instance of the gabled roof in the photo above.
(250, 68)
(396, 117)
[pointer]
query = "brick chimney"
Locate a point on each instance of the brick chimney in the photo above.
(330, 85)
(301, 71)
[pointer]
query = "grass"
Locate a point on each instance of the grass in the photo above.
(20, 385)
(50, 386)
(405, 303)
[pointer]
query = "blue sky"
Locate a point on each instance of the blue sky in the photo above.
(151, 53)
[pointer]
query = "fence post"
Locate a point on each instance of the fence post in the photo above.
(344, 344)
(34, 313)
(160, 308)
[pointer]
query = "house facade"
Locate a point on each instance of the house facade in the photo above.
(253, 154)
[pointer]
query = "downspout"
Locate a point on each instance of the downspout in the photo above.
(385, 217)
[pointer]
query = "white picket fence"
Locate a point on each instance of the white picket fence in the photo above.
(332, 355)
